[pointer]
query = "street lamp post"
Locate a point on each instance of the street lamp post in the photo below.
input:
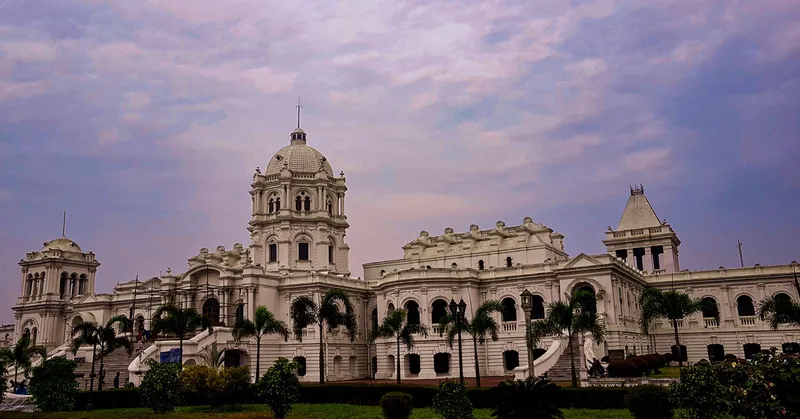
(527, 307)
(458, 311)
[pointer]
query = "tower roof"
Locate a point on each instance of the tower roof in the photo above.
(62, 243)
(638, 212)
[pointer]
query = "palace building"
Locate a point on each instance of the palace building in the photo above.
(298, 226)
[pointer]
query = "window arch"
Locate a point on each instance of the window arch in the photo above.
(438, 311)
(590, 302)
(307, 203)
(509, 262)
(390, 308)
(271, 205)
(211, 310)
(454, 266)
(303, 248)
(34, 335)
(272, 250)
(537, 311)
(412, 311)
(298, 204)
(331, 251)
(375, 323)
(509, 313)
(239, 312)
(783, 303)
(481, 265)
(709, 311)
(83, 281)
(28, 285)
(744, 306)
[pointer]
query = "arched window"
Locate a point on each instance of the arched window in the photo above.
(301, 365)
(375, 324)
(140, 324)
(537, 312)
(82, 283)
(73, 284)
(298, 204)
(28, 285)
(454, 266)
(441, 363)
(26, 335)
(412, 310)
(480, 265)
(240, 312)
(383, 272)
(331, 254)
(302, 251)
(783, 304)
(438, 311)
(271, 206)
(390, 308)
(508, 262)
(277, 204)
(744, 306)
(273, 252)
(307, 204)
(709, 311)
(211, 310)
(509, 313)
(34, 334)
(589, 303)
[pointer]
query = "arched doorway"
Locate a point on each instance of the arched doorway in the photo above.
(412, 310)
(438, 311)
(211, 310)
(509, 313)
(589, 302)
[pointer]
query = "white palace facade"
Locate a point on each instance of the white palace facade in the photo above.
(297, 247)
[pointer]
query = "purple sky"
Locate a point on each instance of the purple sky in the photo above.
(146, 119)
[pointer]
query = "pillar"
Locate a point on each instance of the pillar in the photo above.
(342, 200)
(647, 260)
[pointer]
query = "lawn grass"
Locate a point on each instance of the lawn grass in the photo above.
(301, 411)
(668, 372)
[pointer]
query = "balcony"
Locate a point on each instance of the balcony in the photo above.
(439, 329)
(509, 326)
(747, 320)
(680, 323)
(710, 322)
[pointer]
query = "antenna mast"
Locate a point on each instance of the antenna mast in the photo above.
(741, 259)
(298, 111)
(64, 225)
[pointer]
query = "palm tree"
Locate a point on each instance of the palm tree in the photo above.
(779, 310)
(482, 324)
(395, 326)
(265, 324)
(673, 306)
(306, 312)
(569, 318)
(534, 334)
(104, 337)
(180, 322)
(21, 357)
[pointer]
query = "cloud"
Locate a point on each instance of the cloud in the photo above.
(150, 117)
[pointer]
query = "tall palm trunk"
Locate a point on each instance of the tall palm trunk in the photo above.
(321, 357)
(180, 355)
(258, 356)
(477, 367)
(100, 375)
(572, 362)
(16, 378)
(91, 378)
(678, 344)
(398, 360)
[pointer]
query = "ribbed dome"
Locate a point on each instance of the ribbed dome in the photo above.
(300, 158)
(63, 244)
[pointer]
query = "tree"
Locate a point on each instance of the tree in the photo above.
(673, 306)
(104, 337)
(306, 312)
(280, 387)
(265, 324)
(569, 318)
(20, 356)
(534, 334)
(778, 310)
(481, 325)
(395, 326)
(53, 385)
(180, 322)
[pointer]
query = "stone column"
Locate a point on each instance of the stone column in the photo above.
(342, 199)
(647, 260)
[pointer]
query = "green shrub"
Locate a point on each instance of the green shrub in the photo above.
(161, 386)
(397, 405)
(235, 384)
(279, 387)
(767, 387)
(649, 402)
(451, 400)
(700, 393)
(53, 385)
(129, 385)
(623, 369)
(3, 373)
(118, 398)
(527, 399)
(201, 384)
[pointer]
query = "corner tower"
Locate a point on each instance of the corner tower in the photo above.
(641, 239)
(298, 220)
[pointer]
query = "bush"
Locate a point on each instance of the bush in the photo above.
(122, 398)
(731, 358)
(700, 393)
(641, 365)
(3, 373)
(451, 400)
(53, 385)
(529, 399)
(649, 402)
(161, 386)
(623, 369)
(201, 384)
(396, 405)
(767, 387)
(235, 385)
(279, 387)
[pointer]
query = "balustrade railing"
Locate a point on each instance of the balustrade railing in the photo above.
(711, 322)
(747, 320)
(509, 326)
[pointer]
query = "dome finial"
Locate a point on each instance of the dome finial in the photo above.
(64, 225)
(298, 135)
(298, 111)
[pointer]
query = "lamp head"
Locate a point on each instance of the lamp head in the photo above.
(453, 307)
(462, 306)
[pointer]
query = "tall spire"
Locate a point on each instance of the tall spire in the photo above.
(299, 106)
(64, 225)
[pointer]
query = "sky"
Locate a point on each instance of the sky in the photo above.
(145, 120)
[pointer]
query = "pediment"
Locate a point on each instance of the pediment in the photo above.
(582, 261)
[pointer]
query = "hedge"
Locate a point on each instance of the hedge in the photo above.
(370, 395)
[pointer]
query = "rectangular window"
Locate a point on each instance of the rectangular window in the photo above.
(330, 255)
(302, 251)
(273, 252)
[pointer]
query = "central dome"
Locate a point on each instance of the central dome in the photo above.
(298, 157)
(63, 244)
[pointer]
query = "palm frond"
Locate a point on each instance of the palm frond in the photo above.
(243, 329)
(304, 313)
